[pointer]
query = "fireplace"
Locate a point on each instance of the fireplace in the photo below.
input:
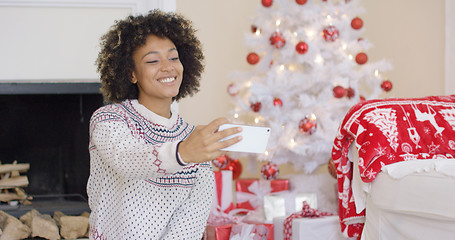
(46, 125)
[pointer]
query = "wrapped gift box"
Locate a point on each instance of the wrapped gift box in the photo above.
(222, 232)
(322, 228)
(250, 192)
(249, 231)
(269, 226)
(280, 205)
(223, 195)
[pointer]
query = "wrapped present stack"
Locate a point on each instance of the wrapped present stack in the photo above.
(266, 210)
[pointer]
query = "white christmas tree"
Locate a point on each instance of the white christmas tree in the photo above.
(309, 66)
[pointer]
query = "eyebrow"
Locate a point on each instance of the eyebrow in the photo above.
(155, 52)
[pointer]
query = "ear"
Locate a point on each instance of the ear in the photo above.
(133, 77)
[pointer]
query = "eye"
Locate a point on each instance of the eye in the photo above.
(174, 59)
(153, 61)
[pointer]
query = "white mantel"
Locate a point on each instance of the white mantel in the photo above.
(58, 40)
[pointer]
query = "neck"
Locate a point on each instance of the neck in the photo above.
(161, 108)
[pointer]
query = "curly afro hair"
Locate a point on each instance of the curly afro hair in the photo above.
(115, 60)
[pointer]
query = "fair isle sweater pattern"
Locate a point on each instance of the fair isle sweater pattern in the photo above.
(154, 134)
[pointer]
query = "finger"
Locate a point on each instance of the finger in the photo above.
(228, 142)
(226, 133)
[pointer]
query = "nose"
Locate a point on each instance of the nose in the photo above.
(166, 66)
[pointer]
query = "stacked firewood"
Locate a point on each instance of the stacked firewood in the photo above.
(12, 183)
(33, 223)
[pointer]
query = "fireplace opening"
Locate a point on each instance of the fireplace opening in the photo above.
(50, 131)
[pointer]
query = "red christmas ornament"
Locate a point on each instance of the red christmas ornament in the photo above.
(267, 3)
(339, 92)
(252, 58)
(256, 106)
(301, 47)
(221, 162)
(300, 2)
(357, 23)
(350, 93)
(235, 166)
(361, 58)
(277, 102)
(330, 33)
(232, 89)
(386, 85)
(277, 40)
(254, 28)
(308, 125)
(269, 171)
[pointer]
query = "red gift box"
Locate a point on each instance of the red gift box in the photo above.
(223, 195)
(260, 188)
(222, 232)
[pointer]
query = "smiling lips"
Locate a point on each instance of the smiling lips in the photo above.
(167, 80)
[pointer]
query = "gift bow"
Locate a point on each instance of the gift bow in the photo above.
(217, 217)
(258, 190)
(307, 211)
(245, 234)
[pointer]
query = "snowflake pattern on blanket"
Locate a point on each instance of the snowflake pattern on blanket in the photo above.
(387, 131)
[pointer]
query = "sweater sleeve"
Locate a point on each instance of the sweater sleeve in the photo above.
(130, 156)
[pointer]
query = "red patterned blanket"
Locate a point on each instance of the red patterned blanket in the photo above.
(387, 131)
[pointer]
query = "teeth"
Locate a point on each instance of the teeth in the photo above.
(167, 80)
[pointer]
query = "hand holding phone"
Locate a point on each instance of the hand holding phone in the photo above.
(254, 139)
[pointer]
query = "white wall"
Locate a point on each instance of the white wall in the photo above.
(450, 47)
(58, 40)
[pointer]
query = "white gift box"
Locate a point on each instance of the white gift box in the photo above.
(284, 204)
(322, 228)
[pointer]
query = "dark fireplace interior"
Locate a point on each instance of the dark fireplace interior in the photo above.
(49, 129)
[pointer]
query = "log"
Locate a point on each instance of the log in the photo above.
(16, 194)
(22, 167)
(21, 181)
(20, 192)
(71, 227)
(6, 197)
(12, 227)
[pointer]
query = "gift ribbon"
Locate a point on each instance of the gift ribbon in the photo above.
(245, 234)
(307, 211)
(218, 217)
(219, 191)
(219, 186)
(258, 189)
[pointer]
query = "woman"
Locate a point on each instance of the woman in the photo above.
(149, 172)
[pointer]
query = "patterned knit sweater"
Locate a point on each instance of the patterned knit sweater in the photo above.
(138, 188)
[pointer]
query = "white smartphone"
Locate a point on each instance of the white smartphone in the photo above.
(254, 139)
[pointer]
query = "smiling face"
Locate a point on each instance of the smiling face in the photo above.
(157, 72)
